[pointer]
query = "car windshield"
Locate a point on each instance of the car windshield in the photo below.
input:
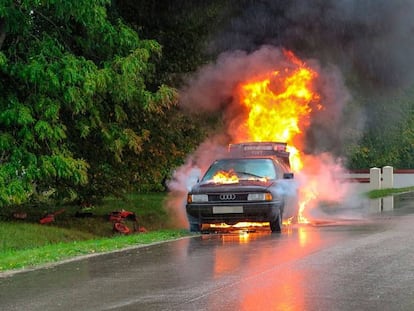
(242, 169)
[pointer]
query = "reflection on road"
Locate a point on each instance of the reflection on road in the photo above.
(303, 236)
(261, 261)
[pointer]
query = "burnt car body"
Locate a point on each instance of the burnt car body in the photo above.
(252, 190)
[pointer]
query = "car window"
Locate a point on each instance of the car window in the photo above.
(244, 168)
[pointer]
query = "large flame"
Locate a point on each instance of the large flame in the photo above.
(278, 107)
(231, 177)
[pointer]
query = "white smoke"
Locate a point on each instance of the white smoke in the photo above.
(187, 175)
(335, 197)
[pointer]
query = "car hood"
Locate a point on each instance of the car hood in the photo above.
(241, 186)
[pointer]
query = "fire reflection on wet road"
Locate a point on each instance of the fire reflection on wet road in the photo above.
(259, 266)
(282, 291)
(324, 266)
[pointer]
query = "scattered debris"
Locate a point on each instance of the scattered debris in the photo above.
(121, 228)
(50, 217)
(118, 218)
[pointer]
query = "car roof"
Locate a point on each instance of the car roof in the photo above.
(268, 149)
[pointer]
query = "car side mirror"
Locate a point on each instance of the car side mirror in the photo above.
(287, 175)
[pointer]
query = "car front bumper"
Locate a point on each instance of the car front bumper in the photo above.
(234, 212)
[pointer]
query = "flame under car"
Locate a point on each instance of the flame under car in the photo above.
(250, 187)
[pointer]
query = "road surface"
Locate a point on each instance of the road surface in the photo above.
(360, 263)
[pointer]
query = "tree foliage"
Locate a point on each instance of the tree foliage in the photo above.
(388, 137)
(183, 28)
(71, 78)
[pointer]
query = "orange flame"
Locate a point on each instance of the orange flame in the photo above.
(278, 107)
(226, 177)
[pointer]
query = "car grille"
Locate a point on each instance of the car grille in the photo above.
(227, 197)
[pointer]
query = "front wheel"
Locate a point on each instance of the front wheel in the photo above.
(276, 225)
(195, 225)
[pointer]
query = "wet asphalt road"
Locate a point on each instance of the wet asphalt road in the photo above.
(364, 263)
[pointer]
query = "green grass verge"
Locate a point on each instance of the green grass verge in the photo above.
(149, 209)
(25, 258)
(26, 243)
(19, 236)
(380, 193)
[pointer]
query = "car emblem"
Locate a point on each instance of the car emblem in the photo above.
(227, 196)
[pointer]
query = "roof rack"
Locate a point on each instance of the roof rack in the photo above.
(246, 149)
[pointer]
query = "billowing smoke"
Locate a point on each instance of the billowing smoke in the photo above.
(369, 43)
(372, 38)
(214, 89)
(188, 174)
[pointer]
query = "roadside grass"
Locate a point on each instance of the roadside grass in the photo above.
(379, 193)
(76, 231)
(149, 209)
(19, 236)
(31, 257)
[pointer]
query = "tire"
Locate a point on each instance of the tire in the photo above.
(276, 225)
(195, 225)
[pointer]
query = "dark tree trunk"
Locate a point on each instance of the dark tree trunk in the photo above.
(2, 31)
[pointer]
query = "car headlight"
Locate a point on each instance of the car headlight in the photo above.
(262, 196)
(197, 198)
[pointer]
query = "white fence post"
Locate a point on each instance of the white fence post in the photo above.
(388, 183)
(375, 205)
(387, 177)
(374, 184)
(388, 203)
(375, 178)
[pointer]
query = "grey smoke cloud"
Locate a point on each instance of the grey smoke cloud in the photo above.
(213, 89)
(371, 38)
(369, 41)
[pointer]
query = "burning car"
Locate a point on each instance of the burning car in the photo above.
(248, 185)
